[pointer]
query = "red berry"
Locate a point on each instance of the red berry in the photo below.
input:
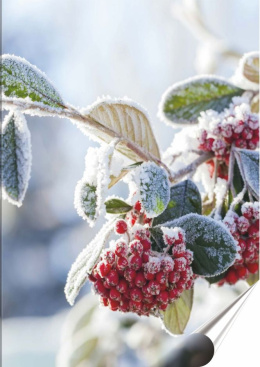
(122, 263)
(124, 306)
(138, 206)
(149, 276)
(113, 305)
(161, 277)
(242, 224)
(135, 306)
(253, 268)
(211, 167)
(121, 226)
(122, 286)
(121, 248)
(163, 297)
(231, 277)
(129, 274)
(253, 231)
(103, 268)
(114, 294)
(140, 280)
(135, 262)
(100, 288)
(146, 256)
(180, 264)
(104, 301)
(167, 264)
(242, 244)
(242, 272)
(173, 294)
(148, 299)
(240, 143)
(112, 278)
(163, 306)
(146, 244)
(136, 247)
(92, 278)
(247, 133)
(136, 294)
(174, 277)
(153, 287)
(109, 256)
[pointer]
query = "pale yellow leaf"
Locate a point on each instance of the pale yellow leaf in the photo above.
(128, 121)
(251, 68)
(255, 104)
(177, 314)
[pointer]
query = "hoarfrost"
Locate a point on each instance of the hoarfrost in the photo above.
(16, 157)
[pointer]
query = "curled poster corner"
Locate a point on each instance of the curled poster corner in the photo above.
(198, 348)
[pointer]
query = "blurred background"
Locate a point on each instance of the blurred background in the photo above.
(90, 48)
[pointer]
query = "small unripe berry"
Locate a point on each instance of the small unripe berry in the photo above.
(121, 226)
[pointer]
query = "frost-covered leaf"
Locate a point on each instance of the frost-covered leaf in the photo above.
(117, 206)
(183, 102)
(217, 278)
(250, 67)
(214, 249)
(177, 314)
(127, 120)
(153, 188)
(85, 262)
(248, 162)
(20, 79)
(184, 199)
(16, 157)
(91, 190)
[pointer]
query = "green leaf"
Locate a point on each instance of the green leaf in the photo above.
(184, 199)
(117, 206)
(154, 188)
(15, 157)
(177, 314)
(183, 102)
(213, 247)
(20, 79)
(248, 162)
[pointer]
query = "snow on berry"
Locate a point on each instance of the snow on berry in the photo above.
(131, 277)
(245, 229)
(236, 125)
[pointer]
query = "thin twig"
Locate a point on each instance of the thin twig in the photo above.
(192, 166)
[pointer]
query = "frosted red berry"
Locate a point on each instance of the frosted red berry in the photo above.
(121, 226)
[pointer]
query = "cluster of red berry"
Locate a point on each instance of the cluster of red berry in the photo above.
(237, 126)
(245, 229)
(131, 277)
